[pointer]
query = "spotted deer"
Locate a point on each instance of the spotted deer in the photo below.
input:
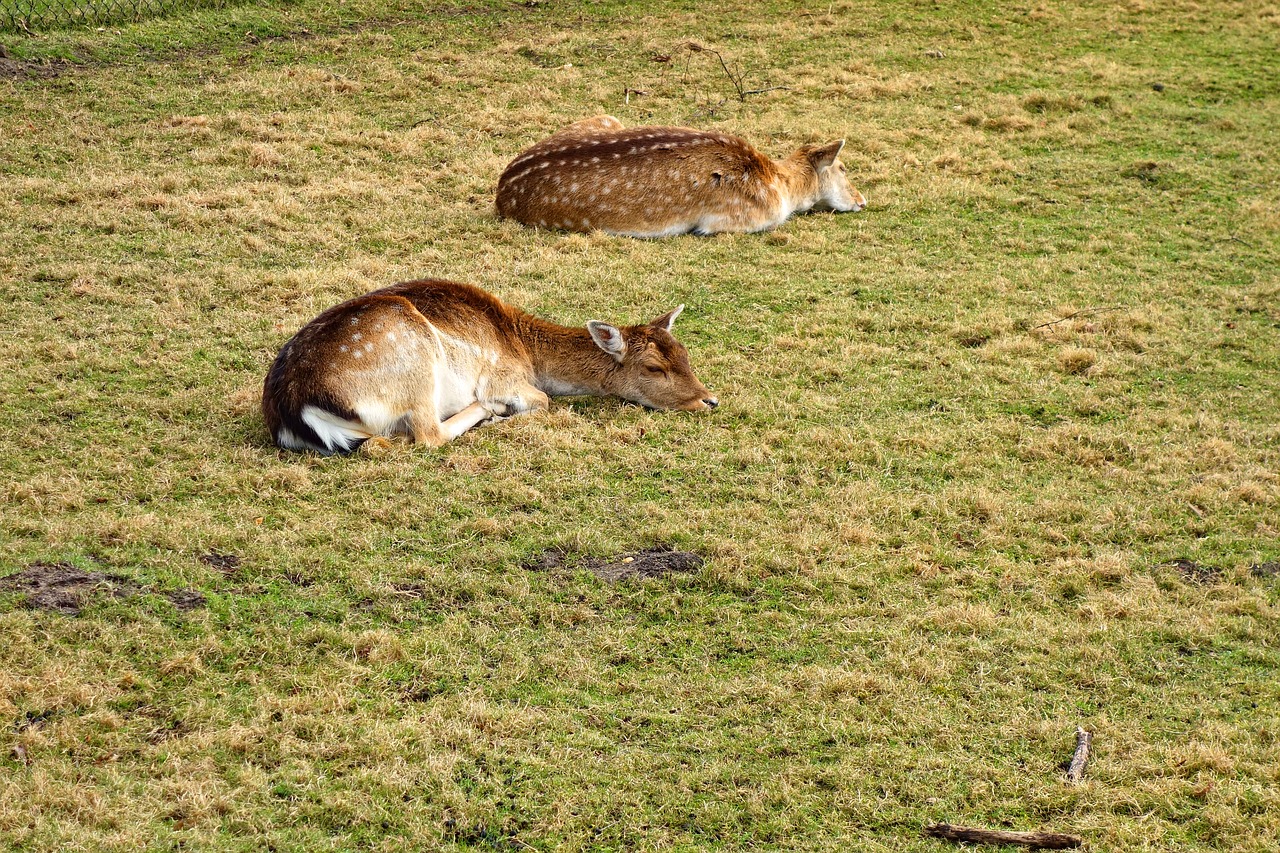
(662, 181)
(429, 360)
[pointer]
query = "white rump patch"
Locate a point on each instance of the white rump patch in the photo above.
(336, 433)
(285, 438)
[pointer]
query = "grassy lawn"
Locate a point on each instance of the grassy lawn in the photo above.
(995, 458)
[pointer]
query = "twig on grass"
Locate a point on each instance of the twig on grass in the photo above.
(1075, 772)
(1083, 312)
(736, 78)
(1033, 840)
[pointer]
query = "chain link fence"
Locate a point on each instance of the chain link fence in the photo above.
(35, 15)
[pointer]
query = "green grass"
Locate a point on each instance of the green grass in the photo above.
(938, 524)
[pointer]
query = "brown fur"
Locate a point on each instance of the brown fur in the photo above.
(659, 181)
(430, 359)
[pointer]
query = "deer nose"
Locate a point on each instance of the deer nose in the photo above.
(711, 402)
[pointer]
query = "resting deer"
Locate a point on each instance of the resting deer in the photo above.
(662, 181)
(431, 359)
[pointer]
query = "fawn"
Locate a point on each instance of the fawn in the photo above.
(431, 359)
(662, 181)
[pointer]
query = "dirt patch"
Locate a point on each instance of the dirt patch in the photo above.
(186, 599)
(21, 69)
(648, 563)
(225, 563)
(1265, 570)
(1197, 573)
(62, 588)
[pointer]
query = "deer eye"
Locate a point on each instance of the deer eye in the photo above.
(654, 370)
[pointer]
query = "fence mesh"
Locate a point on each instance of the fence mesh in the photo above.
(33, 15)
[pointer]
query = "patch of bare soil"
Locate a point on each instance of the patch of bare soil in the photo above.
(22, 69)
(62, 588)
(225, 563)
(648, 563)
(186, 599)
(1197, 573)
(1265, 570)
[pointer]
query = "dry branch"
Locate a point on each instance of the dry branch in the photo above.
(1076, 770)
(1033, 840)
(1083, 312)
(737, 78)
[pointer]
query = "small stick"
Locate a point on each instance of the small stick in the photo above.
(1033, 840)
(1076, 770)
(1083, 312)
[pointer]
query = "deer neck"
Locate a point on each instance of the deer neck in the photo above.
(798, 182)
(566, 361)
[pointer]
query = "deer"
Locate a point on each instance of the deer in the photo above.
(662, 181)
(428, 360)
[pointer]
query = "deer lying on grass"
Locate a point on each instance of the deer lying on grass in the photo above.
(662, 181)
(431, 359)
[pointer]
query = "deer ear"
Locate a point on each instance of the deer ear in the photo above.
(608, 338)
(824, 155)
(666, 320)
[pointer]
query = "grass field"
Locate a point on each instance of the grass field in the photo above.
(995, 458)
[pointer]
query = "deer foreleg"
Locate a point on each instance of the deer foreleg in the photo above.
(464, 420)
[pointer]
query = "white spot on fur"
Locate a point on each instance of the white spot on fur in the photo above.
(357, 336)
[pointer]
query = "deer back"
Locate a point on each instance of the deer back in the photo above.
(642, 181)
